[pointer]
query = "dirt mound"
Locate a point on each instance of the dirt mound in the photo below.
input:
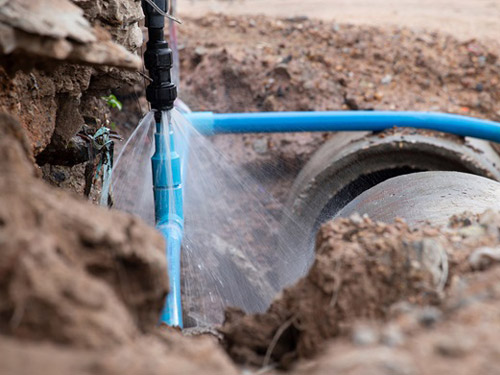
(361, 270)
(257, 63)
(460, 339)
(87, 282)
(72, 273)
(167, 353)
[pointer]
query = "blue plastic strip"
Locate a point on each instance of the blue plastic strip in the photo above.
(277, 122)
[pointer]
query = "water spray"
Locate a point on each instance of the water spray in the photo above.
(166, 162)
(167, 172)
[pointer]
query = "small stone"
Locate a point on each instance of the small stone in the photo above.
(364, 335)
(473, 231)
(392, 336)
(200, 51)
(386, 80)
(261, 146)
(282, 71)
(484, 257)
(378, 95)
(356, 218)
(429, 316)
(454, 347)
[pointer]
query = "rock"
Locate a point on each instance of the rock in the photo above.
(386, 80)
(364, 335)
(429, 316)
(51, 100)
(484, 257)
(453, 347)
(260, 145)
(56, 29)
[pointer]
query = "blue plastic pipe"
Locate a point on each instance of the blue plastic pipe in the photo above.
(172, 312)
(168, 181)
(169, 215)
(209, 123)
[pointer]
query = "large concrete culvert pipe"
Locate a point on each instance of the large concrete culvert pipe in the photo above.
(352, 163)
(426, 197)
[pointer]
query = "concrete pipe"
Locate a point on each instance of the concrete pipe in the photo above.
(351, 163)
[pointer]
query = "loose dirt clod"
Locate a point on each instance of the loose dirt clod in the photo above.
(362, 268)
(463, 341)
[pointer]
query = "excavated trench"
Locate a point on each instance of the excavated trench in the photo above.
(81, 287)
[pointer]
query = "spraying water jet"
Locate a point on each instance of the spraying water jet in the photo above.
(171, 169)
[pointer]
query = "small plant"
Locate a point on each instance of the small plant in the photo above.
(113, 102)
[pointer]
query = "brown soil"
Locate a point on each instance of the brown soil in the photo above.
(362, 269)
(252, 64)
(81, 288)
(460, 339)
(87, 282)
(461, 18)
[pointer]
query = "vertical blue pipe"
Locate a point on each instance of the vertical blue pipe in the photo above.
(167, 184)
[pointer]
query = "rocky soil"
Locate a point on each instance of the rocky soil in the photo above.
(54, 101)
(414, 301)
(238, 64)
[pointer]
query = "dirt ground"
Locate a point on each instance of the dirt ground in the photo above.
(461, 18)
(416, 301)
(247, 64)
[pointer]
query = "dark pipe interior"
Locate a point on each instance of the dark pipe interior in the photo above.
(355, 188)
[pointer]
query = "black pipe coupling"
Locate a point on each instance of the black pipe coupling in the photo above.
(158, 60)
(161, 92)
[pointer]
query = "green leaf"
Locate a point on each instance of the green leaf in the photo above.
(113, 102)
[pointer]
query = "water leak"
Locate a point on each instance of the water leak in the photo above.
(131, 181)
(235, 250)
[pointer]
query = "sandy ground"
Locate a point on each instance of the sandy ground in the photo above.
(464, 19)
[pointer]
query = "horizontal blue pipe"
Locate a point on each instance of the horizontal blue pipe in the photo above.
(277, 122)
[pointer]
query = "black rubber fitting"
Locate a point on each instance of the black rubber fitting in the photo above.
(158, 60)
